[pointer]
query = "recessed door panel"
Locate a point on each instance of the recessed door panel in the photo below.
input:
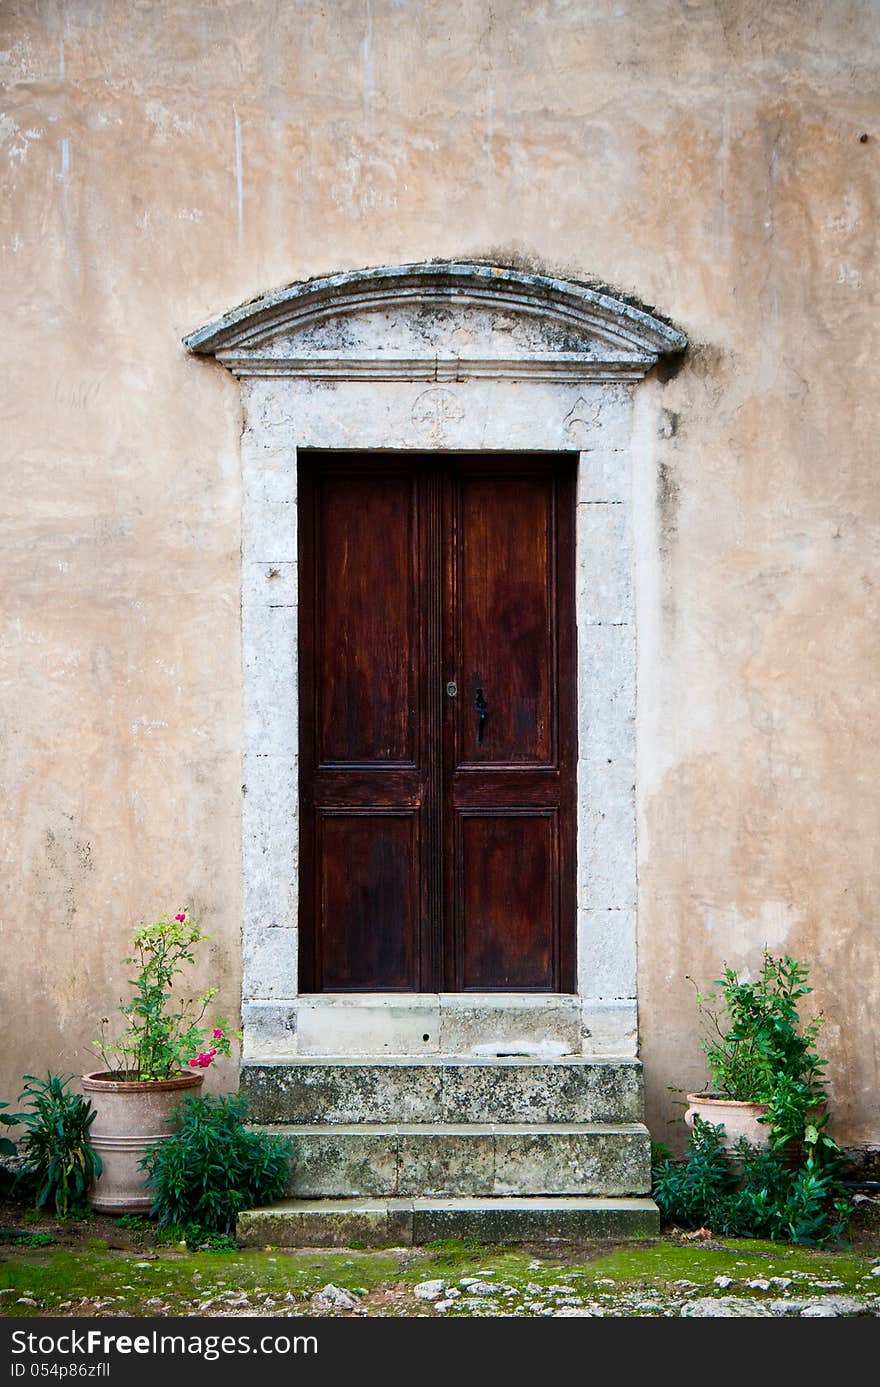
(368, 869)
(507, 905)
(367, 639)
(504, 616)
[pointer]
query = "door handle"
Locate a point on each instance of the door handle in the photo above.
(482, 708)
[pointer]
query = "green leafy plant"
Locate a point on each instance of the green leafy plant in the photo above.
(163, 1036)
(133, 1223)
(752, 1192)
(214, 1242)
(56, 1142)
(27, 1239)
(687, 1192)
(8, 1119)
(758, 1050)
(196, 1238)
(212, 1167)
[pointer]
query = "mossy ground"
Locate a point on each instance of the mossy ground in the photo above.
(102, 1268)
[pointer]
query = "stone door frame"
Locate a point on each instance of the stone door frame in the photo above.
(458, 357)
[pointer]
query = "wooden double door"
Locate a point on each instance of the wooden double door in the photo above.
(437, 722)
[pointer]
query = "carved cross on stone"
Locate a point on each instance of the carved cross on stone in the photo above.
(433, 412)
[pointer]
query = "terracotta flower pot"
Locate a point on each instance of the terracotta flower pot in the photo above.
(739, 1119)
(131, 1118)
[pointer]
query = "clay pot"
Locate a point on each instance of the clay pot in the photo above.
(131, 1118)
(739, 1119)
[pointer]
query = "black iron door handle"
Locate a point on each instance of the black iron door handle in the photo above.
(482, 708)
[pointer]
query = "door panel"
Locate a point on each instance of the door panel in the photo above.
(368, 632)
(436, 844)
(504, 598)
(505, 871)
(368, 869)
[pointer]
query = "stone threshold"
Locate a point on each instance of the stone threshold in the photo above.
(546, 1025)
(440, 1060)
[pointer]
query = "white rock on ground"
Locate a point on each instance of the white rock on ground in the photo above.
(332, 1297)
(429, 1290)
(725, 1307)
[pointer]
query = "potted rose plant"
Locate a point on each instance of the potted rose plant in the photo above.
(765, 1076)
(161, 1056)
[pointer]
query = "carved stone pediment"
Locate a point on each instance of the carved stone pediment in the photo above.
(438, 322)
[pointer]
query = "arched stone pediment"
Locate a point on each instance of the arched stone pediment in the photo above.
(436, 321)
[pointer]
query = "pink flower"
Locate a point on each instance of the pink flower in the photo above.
(216, 1034)
(202, 1059)
(181, 917)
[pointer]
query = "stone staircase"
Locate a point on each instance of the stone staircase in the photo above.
(502, 1149)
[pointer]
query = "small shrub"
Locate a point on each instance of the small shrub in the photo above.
(56, 1142)
(211, 1168)
(754, 1192)
(687, 1191)
(758, 1050)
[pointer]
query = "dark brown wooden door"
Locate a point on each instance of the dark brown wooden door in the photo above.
(437, 722)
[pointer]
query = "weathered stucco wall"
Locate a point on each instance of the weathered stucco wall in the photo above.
(164, 161)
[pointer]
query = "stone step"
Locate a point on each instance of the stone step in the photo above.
(474, 1159)
(400, 1222)
(444, 1089)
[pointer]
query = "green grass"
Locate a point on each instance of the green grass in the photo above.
(177, 1282)
(60, 1275)
(740, 1258)
(658, 1264)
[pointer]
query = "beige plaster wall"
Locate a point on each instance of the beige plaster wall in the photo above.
(163, 161)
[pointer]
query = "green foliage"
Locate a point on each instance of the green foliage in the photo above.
(21, 1239)
(212, 1167)
(8, 1119)
(215, 1242)
(755, 1192)
(685, 1194)
(160, 1038)
(197, 1238)
(758, 1051)
(56, 1141)
(133, 1223)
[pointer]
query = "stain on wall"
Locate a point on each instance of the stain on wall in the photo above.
(162, 162)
